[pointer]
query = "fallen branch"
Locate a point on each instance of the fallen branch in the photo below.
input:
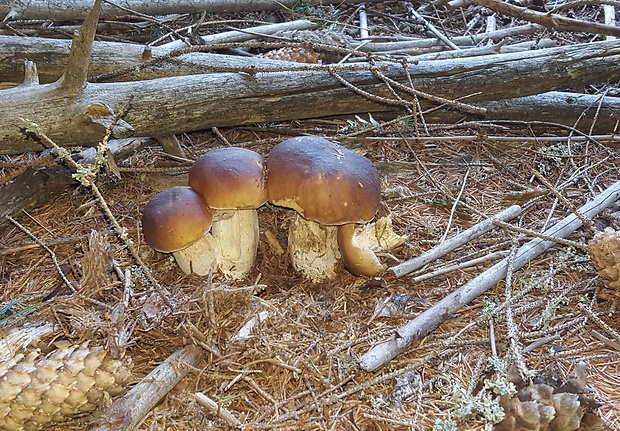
(126, 413)
(217, 410)
(549, 20)
(422, 45)
(413, 332)
(460, 266)
(78, 9)
(226, 99)
(589, 112)
(51, 55)
(452, 243)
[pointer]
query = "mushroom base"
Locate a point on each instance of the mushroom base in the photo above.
(200, 258)
(313, 249)
(358, 259)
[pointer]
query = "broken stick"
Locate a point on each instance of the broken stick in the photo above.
(126, 413)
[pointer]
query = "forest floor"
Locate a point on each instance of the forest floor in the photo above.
(299, 367)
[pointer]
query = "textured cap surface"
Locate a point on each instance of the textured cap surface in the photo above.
(230, 178)
(174, 219)
(323, 181)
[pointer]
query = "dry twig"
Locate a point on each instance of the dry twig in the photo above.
(452, 243)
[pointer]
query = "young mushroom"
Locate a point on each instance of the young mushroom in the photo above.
(177, 221)
(329, 186)
(232, 182)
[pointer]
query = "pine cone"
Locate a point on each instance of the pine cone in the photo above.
(605, 253)
(538, 408)
(37, 390)
(298, 55)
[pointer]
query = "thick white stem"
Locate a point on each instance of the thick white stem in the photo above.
(200, 258)
(236, 242)
(313, 249)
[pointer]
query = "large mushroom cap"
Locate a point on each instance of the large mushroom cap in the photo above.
(323, 181)
(229, 178)
(174, 219)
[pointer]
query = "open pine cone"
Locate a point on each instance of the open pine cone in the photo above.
(298, 55)
(605, 253)
(552, 405)
(38, 390)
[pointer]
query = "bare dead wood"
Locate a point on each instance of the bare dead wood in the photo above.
(422, 45)
(242, 35)
(217, 410)
(180, 104)
(33, 188)
(78, 9)
(415, 330)
(551, 21)
(51, 55)
(128, 412)
(587, 112)
(73, 79)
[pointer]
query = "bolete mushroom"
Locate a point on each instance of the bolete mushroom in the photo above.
(177, 221)
(232, 182)
(329, 186)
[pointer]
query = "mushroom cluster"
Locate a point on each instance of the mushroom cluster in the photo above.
(213, 224)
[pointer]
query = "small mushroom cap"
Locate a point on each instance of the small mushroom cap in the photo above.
(230, 178)
(174, 219)
(323, 181)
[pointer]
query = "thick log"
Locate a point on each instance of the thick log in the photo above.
(78, 9)
(51, 56)
(35, 187)
(181, 104)
(587, 112)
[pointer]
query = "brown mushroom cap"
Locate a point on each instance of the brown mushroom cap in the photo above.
(323, 181)
(174, 219)
(230, 178)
